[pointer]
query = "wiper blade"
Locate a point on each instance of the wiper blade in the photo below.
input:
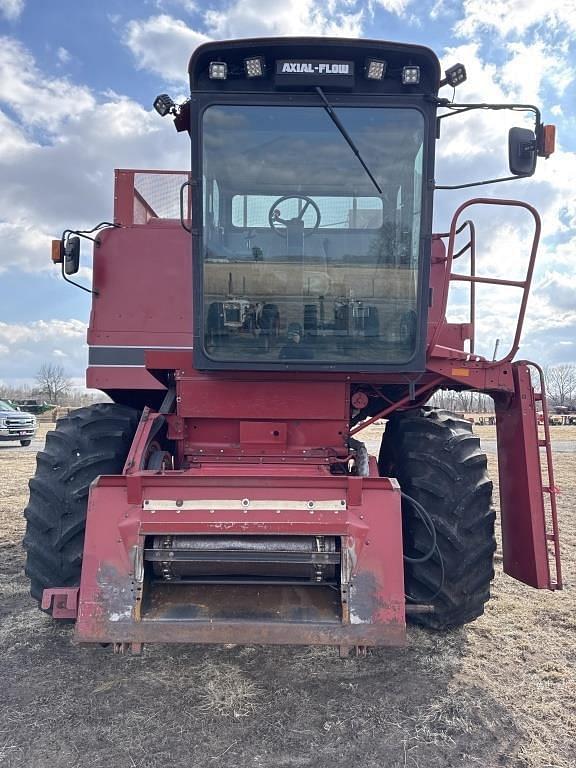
(336, 120)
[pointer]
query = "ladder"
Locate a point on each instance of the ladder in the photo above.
(549, 489)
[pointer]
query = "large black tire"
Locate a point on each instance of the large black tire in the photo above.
(87, 443)
(437, 461)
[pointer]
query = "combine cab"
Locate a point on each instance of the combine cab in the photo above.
(249, 319)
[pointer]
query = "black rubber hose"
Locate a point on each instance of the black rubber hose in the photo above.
(427, 520)
(429, 523)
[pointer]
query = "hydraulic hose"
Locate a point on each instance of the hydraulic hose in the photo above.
(430, 527)
(427, 520)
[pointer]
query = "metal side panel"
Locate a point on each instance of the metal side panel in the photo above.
(522, 511)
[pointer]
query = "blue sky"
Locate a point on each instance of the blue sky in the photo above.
(77, 80)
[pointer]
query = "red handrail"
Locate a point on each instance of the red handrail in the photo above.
(473, 278)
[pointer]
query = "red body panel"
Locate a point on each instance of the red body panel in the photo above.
(114, 378)
(212, 397)
(143, 276)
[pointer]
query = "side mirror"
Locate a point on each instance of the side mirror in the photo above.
(72, 256)
(522, 151)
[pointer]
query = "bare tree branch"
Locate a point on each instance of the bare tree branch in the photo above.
(53, 382)
(560, 381)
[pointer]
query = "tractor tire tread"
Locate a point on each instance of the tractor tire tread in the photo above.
(438, 461)
(88, 442)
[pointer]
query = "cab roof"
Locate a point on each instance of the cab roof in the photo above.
(272, 49)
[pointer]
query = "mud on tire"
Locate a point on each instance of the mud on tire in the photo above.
(438, 461)
(89, 442)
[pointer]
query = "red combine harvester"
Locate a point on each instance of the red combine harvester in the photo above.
(249, 319)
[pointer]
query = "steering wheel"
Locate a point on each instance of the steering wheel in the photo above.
(297, 223)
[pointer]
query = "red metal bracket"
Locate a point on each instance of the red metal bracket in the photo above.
(63, 600)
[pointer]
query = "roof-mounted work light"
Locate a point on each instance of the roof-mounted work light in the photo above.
(164, 105)
(218, 70)
(374, 69)
(410, 75)
(255, 66)
(454, 76)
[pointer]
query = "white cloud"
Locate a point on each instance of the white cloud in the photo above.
(66, 179)
(24, 347)
(551, 329)
(560, 289)
(186, 5)
(560, 256)
(14, 139)
(11, 9)
(24, 246)
(394, 6)
(252, 18)
(441, 9)
(42, 331)
(520, 76)
(163, 44)
(516, 16)
(532, 65)
(63, 55)
(37, 99)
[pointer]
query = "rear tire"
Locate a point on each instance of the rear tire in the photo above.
(87, 443)
(437, 461)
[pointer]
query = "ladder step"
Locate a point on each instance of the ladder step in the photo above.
(538, 397)
(543, 443)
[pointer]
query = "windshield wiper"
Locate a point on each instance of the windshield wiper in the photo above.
(336, 120)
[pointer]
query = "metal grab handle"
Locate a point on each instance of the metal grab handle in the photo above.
(182, 220)
(524, 284)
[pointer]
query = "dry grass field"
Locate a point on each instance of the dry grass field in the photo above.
(500, 692)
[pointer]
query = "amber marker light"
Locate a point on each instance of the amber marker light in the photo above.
(57, 251)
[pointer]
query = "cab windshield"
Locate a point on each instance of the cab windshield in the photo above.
(304, 259)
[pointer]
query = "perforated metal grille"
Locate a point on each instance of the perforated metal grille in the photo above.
(157, 195)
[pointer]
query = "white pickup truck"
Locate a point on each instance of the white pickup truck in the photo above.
(15, 424)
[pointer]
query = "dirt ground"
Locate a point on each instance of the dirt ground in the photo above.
(500, 692)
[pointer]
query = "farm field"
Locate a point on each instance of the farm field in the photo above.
(500, 692)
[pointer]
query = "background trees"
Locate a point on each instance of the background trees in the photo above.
(53, 382)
